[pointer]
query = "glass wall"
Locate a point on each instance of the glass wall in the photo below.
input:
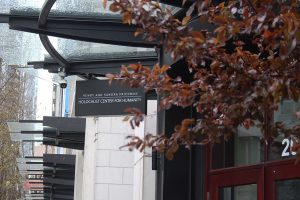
(280, 146)
(244, 148)
(287, 189)
(247, 146)
(242, 192)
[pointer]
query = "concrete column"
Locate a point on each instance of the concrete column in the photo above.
(89, 159)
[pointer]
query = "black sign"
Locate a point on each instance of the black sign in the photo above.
(98, 97)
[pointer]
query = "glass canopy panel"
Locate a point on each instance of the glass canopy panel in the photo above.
(83, 6)
(7, 5)
(23, 47)
(78, 50)
(26, 137)
(27, 149)
(23, 174)
(16, 47)
(86, 7)
(25, 167)
(17, 127)
(25, 160)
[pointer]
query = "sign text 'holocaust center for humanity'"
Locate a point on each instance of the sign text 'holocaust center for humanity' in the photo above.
(99, 97)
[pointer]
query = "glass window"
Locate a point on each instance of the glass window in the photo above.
(244, 148)
(247, 147)
(286, 113)
(243, 192)
(280, 146)
(287, 189)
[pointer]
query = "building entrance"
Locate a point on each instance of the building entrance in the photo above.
(249, 168)
(271, 181)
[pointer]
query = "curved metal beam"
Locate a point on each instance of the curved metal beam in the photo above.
(42, 23)
(45, 13)
(53, 53)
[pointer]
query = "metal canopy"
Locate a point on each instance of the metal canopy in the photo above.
(17, 127)
(59, 183)
(54, 131)
(51, 178)
(28, 137)
(64, 143)
(26, 167)
(27, 159)
(60, 159)
(105, 29)
(98, 64)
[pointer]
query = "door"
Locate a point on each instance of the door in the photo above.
(242, 183)
(273, 174)
(270, 181)
(282, 181)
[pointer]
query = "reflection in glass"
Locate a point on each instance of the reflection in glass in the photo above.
(7, 5)
(286, 113)
(243, 192)
(77, 50)
(288, 189)
(280, 147)
(248, 146)
(17, 48)
(83, 6)
(244, 148)
(27, 149)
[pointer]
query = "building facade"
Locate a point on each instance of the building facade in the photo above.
(242, 168)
